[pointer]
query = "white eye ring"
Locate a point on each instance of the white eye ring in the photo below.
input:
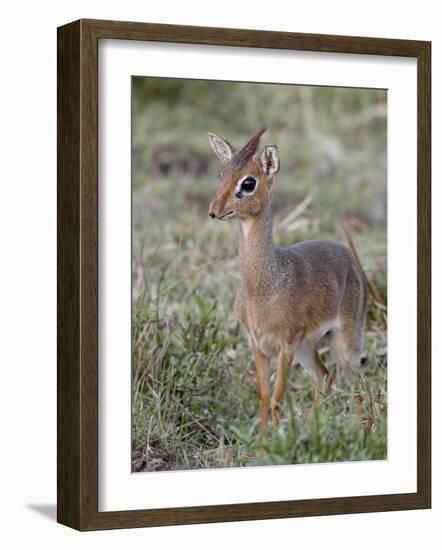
(240, 182)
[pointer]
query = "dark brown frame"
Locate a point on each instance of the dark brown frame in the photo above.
(77, 223)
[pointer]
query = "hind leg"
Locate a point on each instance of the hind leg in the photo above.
(347, 340)
(309, 358)
(346, 346)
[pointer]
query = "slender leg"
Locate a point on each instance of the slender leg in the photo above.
(347, 350)
(282, 371)
(323, 376)
(262, 380)
(312, 362)
(347, 340)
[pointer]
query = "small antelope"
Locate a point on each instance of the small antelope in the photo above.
(289, 298)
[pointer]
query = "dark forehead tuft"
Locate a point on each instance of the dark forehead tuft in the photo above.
(242, 156)
(235, 169)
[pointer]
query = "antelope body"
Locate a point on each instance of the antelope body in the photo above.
(289, 297)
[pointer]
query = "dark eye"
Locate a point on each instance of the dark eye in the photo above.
(248, 185)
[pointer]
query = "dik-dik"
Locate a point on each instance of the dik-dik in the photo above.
(290, 297)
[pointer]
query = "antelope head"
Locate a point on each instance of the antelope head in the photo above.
(246, 178)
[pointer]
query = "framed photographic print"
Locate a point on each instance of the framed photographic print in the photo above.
(238, 211)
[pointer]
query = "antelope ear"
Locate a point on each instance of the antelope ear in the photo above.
(222, 148)
(270, 160)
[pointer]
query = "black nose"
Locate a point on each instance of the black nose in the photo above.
(212, 215)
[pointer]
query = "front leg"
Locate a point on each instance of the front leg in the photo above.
(262, 381)
(282, 372)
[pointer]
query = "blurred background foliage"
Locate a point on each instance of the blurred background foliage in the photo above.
(194, 402)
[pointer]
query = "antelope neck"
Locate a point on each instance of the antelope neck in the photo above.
(257, 252)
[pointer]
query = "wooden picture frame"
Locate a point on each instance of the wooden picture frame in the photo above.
(77, 459)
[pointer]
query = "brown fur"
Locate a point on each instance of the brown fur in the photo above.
(289, 297)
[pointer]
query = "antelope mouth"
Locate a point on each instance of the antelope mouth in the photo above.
(226, 216)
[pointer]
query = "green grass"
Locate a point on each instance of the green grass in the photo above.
(194, 402)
